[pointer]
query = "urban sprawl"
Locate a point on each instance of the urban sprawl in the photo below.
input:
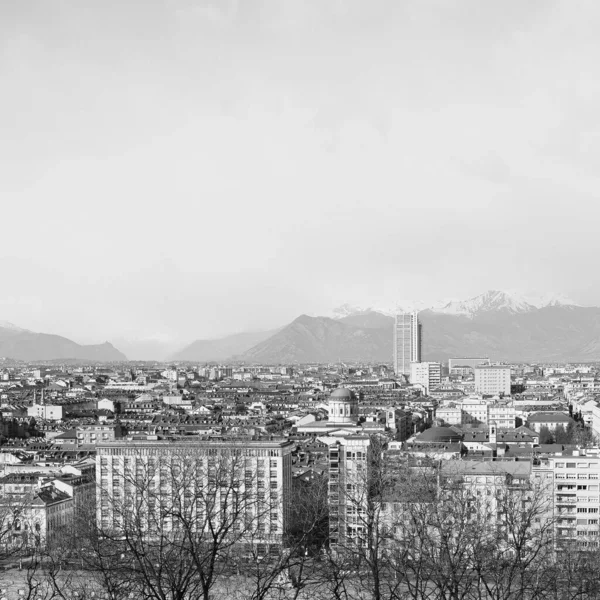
(468, 479)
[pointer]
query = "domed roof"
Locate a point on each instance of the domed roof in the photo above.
(342, 394)
(439, 434)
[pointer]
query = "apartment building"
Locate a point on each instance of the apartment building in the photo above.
(574, 485)
(96, 434)
(551, 420)
(426, 374)
(492, 380)
(348, 491)
(47, 412)
(475, 411)
(245, 481)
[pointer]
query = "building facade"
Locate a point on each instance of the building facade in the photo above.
(426, 374)
(574, 484)
(348, 491)
(407, 342)
(247, 481)
(492, 380)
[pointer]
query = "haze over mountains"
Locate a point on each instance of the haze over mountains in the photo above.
(22, 344)
(494, 324)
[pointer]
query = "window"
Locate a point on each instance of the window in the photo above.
(570, 465)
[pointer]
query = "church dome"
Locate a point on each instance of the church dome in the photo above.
(341, 394)
(343, 406)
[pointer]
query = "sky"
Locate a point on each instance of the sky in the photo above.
(181, 169)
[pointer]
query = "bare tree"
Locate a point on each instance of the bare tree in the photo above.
(180, 521)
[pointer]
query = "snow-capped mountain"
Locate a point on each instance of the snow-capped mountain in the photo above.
(345, 310)
(492, 300)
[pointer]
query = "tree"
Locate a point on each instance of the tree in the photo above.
(546, 436)
(179, 520)
(562, 435)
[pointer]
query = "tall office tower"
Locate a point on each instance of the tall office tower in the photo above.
(407, 342)
(238, 486)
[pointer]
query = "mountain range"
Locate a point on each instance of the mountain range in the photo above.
(494, 324)
(22, 344)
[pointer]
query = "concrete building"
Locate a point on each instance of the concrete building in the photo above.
(492, 380)
(97, 434)
(260, 473)
(551, 420)
(450, 415)
(574, 481)
(348, 491)
(407, 342)
(426, 374)
(48, 412)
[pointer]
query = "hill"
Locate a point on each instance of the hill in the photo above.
(221, 349)
(21, 344)
(321, 339)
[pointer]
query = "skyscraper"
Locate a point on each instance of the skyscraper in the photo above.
(407, 342)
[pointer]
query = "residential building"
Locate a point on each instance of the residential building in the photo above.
(492, 380)
(259, 471)
(407, 342)
(96, 434)
(348, 491)
(426, 374)
(450, 415)
(574, 481)
(551, 420)
(47, 412)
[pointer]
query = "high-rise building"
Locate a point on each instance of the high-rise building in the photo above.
(349, 491)
(407, 342)
(427, 374)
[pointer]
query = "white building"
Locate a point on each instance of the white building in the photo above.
(348, 490)
(574, 483)
(427, 374)
(492, 380)
(259, 473)
(48, 412)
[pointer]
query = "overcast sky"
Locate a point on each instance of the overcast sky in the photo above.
(189, 168)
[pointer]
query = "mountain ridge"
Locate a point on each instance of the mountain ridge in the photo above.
(21, 344)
